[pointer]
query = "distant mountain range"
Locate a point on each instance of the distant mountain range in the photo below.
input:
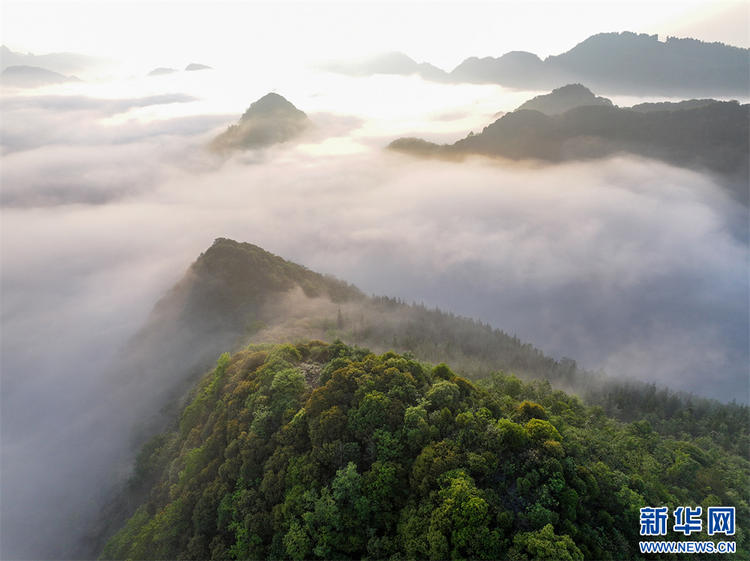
(32, 71)
(162, 71)
(66, 64)
(270, 120)
(622, 63)
(386, 63)
(704, 135)
(193, 66)
(33, 77)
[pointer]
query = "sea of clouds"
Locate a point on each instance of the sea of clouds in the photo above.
(625, 264)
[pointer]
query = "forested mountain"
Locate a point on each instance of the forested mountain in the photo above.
(705, 135)
(236, 294)
(270, 120)
(231, 291)
(318, 451)
(619, 63)
(315, 450)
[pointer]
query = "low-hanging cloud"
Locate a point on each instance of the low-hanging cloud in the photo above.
(59, 150)
(102, 106)
(625, 264)
(575, 259)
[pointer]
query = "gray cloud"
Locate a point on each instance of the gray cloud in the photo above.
(57, 151)
(37, 121)
(100, 106)
(573, 259)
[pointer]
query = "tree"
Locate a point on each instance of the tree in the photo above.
(545, 545)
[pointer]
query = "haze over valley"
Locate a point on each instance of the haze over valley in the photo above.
(627, 257)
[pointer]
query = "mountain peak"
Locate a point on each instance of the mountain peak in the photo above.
(270, 120)
(271, 104)
(162, 71)
(560, 100)
(193, 66)
(230, 279)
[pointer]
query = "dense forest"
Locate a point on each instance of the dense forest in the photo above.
(476, 351)
(329, 451)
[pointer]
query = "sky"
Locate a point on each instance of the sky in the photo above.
(173, 34)
(108, 193)
(442, 33)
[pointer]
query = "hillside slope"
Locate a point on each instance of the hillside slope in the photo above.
(226, 294)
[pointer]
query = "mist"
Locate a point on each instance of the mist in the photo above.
(625, 264)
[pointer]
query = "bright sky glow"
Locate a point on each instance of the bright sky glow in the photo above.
(257, 47)
(269, 34)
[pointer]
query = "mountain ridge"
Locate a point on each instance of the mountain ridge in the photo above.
(704, 135)
(618, 63)
(25, 76)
